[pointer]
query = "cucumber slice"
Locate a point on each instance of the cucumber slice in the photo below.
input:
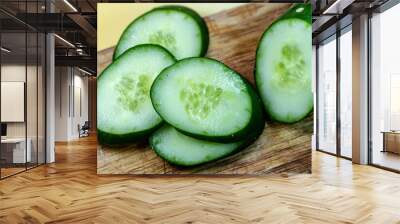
(283, 66)
(178, 29)
(124, 110)
(183, 150)
(203, 98)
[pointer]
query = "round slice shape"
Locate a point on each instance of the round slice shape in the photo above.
(124, 109)
(178, 29)
(204, 98)
(283, 66)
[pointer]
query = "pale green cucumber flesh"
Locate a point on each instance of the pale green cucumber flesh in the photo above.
(283, 70)
(204, 98)
(124, 108)
(178, 29)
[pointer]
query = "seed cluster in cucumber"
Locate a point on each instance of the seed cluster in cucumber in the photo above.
(283, 66)
(195, 109)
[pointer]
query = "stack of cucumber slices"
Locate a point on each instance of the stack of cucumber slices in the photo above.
(195, 109)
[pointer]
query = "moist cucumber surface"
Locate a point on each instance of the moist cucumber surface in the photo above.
(283, 66)
(205, 99)
(178, 29)
(124, 109)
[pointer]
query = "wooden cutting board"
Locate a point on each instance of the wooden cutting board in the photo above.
(234, 35)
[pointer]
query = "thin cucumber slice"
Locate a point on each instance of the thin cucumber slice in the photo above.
(183, 150)
(124, 109)
(283, 66)
(205, 99)
(178, 29)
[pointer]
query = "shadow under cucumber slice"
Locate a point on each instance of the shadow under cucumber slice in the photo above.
(178, 29)
(124, 110)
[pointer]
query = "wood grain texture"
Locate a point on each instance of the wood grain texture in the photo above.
(234, 35)
(70, 191)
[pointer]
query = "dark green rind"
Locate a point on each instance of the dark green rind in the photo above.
(257, 113)
(291, 13)
(198, 19)
(306, 16)
(105, 138)
(250, 138)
